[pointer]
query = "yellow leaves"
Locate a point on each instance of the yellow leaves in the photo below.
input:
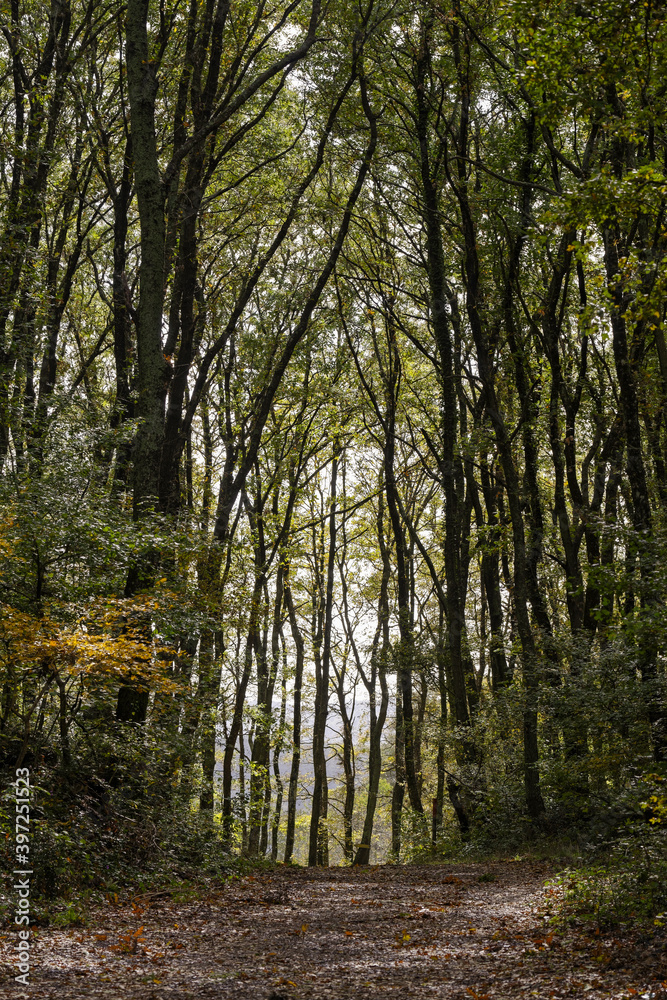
(656, 809)
(402, 939)
(115, 639)
(7, 542)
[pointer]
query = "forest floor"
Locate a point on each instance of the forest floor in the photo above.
(420, 931)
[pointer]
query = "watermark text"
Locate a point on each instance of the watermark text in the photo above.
(22, 873)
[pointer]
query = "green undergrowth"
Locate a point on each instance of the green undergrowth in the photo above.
(621, 876)
(624, 885)
(608, 897)
(74, 906)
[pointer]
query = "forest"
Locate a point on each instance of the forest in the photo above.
(333, 433)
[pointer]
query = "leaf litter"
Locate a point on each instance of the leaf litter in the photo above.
(465, 932)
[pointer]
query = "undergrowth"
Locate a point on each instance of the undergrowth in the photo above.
(620, 877)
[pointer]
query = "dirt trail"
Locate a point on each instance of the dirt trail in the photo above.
(445, 931)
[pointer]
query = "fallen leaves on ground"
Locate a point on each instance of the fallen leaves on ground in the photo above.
(418, 931)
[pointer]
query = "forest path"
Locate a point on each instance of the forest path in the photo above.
(417, 931)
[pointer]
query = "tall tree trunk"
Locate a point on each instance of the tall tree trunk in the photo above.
(293, 788)
(440, 652)
(210, 658)
(152, 369)
(318, 849)
(237, 715)
(348, 761)
(275, 822)
(380, 652)
(398, 791)
(440, 294)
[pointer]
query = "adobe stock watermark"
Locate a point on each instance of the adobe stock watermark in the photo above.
(22, 873)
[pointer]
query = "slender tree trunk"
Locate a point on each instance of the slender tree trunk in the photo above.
(153, 371)
(296, 721)
(377, 721)
(260, 758)
(380, 652)
(442, 730)
(237, 715)
(242, 795)
(398, 791)
(208, 693)
(348, 765)
(318, 850)
(275, 822)
(439, 291)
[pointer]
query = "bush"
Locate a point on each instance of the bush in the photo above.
(622, 875)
